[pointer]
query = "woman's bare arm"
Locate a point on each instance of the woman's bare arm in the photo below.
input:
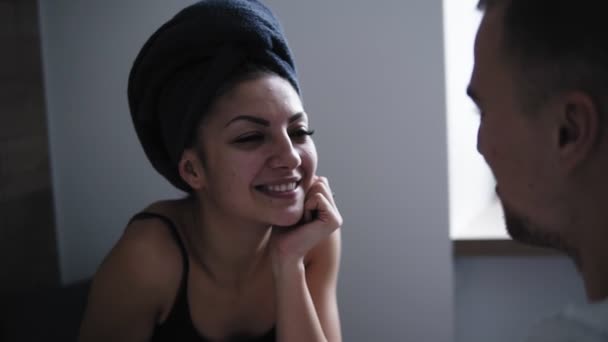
(307, 305)
(133, 286)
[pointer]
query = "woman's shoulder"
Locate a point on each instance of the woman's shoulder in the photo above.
(146, 254)
(136, 282)
(147, 250)
(152, 237)
(166, 207)
(154, 232)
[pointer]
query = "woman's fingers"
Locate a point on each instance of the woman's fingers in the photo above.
(321, 184)
(298, 241)
(326, 211)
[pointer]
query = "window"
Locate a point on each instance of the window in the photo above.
(475, 212)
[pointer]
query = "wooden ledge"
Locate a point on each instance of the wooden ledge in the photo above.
(497, 247)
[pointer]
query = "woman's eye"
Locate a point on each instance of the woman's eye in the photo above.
(249, 138)
(301, 133)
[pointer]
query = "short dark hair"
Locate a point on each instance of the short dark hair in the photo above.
(556, 45)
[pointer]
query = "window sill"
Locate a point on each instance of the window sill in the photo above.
(472, 248)
(487, 236)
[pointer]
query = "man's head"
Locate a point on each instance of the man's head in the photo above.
(541, 83)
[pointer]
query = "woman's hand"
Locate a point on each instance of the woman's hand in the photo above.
(321, 218)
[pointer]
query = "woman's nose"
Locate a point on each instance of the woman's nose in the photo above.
(284, 154)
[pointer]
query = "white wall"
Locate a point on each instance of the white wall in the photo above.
(372, 75)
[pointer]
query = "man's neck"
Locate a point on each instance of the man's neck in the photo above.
(593, 253)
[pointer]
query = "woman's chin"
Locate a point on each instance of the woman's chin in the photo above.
(288, 219)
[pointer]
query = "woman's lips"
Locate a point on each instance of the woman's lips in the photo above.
(280, 190)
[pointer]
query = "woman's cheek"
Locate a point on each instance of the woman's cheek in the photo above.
(309, 158)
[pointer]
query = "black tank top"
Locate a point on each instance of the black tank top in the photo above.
(179, 326)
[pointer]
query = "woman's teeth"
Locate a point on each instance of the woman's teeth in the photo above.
(281, 187)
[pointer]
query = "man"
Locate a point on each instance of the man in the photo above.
(540, 81)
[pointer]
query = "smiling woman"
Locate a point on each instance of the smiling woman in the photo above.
(252, 253)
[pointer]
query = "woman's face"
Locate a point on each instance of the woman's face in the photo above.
(259, 157)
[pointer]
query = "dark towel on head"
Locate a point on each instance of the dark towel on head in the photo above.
(176, 75)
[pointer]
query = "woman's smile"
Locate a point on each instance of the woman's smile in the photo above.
(283, 189)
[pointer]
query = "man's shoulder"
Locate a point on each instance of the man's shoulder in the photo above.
(585, 323)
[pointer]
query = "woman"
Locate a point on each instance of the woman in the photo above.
(252, 253)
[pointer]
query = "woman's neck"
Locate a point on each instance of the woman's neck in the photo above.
(230, 250)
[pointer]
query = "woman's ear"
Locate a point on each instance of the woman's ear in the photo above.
(191, 170)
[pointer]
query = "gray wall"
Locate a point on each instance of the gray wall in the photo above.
(373, 85)
(498, 299)
(99, 172)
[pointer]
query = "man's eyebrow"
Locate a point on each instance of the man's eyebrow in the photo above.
(471, 93)
(260, 121)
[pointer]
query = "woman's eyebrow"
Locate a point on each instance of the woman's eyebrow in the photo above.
(260, 121)
(249, 118)
(296, 117)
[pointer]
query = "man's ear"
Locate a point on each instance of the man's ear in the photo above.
(578, 129)
(191, 169)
